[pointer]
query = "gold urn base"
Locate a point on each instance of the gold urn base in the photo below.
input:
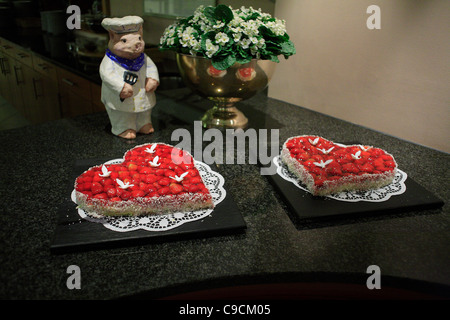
(224, 115)
(225, 87)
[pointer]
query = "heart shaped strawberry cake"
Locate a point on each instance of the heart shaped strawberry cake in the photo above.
(152, 179)
(325, 167)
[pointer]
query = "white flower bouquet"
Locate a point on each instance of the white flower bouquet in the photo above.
(227, 36)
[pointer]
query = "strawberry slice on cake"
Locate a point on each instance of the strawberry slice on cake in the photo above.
(325, 167)
(152, 179)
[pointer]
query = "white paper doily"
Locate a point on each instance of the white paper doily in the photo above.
(377, 195)
(213, 181)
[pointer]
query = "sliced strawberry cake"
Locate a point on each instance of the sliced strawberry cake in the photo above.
(152, 179)
(325, 167)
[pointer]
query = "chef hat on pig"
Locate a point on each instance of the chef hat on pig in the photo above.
(126, 24)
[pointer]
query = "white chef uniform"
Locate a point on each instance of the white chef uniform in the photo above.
(133, 112)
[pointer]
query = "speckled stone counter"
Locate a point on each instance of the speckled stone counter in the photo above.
(272, 257)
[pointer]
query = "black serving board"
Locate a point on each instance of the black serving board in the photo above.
(306, 208)
(74, 233)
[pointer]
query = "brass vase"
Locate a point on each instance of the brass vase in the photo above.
(225, 88)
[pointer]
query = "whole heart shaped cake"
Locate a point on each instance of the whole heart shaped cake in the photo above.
(325, 167)
(152, 179)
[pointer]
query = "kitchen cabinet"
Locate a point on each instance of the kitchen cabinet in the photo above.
(78, 96)
(4, 91)
(4, 71)
(96, 92)
(29, 90)
(40, 95)
(42, 91)
(9, 88)
(22, 80)
(22, 94)
(46, 88)
(32, 93)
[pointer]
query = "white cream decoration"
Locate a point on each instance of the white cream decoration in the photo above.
(151, 149)
(323, 164)
(357, 155)
(179, 178)
(326, 151)
(314, 142)
(123, 185)
(105, 172)
(154, 162)
(364, 148)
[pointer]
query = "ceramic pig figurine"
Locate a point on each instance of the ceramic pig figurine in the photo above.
(129, 78)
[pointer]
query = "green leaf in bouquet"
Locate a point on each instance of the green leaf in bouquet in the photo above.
(269, 34)
(242, 56)
(243, 60)
(223, 62)
(288, 48)
(273, 46)
(269, 55)
(185, 20)
(253, 16)
(209, 14)
(266, 32)
(226, 52)
(274, 58)
(223, 13)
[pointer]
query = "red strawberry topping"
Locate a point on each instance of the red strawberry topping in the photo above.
(147, 171)
(176, 188)
(331, 164)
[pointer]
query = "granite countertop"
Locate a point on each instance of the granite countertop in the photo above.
(411, 248)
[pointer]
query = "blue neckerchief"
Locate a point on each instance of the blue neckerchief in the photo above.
(131, 65)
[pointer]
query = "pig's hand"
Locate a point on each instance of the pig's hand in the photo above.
(127, 91)
(151, 84)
